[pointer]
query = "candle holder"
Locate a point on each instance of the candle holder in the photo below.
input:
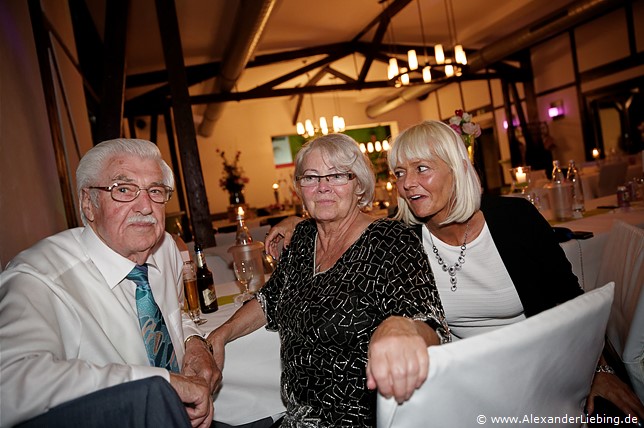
(520, 179)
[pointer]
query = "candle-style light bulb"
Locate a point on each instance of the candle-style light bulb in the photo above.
(276, 193)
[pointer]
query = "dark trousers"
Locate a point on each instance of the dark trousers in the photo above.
(150, 402)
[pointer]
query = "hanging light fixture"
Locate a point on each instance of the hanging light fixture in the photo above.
(309, 128)
(375, 146)
(427, 74)
(459, 52)
(337, 121)
(450, 66)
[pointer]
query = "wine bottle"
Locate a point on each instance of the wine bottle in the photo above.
(557, 175)
(205, 283)
(242, 236)
(574, 177)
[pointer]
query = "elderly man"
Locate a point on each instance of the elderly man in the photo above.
(86, 312)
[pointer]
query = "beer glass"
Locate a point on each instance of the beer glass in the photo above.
(191, 293)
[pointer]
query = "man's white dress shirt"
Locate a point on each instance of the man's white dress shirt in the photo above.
(69, 325)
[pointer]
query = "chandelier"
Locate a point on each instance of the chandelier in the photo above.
(309, 128)
(375, 146)
(450, 66)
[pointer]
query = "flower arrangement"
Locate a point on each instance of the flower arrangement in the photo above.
(232, 179)
(462, 123)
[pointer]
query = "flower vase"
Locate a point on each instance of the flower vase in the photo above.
(470, 144)
(236, 198)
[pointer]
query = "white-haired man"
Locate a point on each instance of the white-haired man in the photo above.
(90, 317)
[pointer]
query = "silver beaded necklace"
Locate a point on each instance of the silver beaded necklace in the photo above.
(451, 270)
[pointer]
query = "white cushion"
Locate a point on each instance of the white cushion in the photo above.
(542, 366)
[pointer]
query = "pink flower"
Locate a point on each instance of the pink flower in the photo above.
(472, 129)
(462, 124)
(456, 128)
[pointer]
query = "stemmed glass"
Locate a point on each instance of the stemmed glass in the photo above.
(191, 293)
(244, 273)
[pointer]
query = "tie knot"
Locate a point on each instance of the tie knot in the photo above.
(139, 274)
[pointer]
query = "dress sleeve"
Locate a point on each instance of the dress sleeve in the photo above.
(411, 289)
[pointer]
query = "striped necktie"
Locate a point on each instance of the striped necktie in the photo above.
(153, 329)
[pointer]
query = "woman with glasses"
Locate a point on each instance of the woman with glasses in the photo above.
(352, 298)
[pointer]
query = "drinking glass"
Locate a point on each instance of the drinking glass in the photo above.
(244, 273)
(520, 178)
(191, 292)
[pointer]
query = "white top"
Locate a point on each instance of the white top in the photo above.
(68, 321)
(485, 297)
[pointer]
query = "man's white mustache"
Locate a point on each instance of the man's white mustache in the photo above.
(142, 219)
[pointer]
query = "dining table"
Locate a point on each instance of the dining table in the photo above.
(250, 386)
(585, 255)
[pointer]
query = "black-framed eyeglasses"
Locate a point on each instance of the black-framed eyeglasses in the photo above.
(337, 179)
(127, 192)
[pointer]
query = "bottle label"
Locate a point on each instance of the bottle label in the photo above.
(208, 296)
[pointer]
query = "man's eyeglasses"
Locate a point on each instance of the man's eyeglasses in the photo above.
(337, 179)
(126, 192)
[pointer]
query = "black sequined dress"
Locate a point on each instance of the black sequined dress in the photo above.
(325, 320)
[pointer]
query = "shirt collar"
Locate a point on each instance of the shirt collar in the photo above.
(113, 266)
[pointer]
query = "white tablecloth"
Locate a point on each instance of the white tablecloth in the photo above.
(250, 388)
(585, 255)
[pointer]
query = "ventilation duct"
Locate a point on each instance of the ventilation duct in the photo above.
(252, 18)
(515, 42)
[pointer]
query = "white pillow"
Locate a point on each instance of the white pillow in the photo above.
(540, 367)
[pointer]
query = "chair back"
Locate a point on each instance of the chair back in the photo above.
(541, 366)
(623, 263)
(611, 175)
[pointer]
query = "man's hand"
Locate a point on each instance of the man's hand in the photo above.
(195, 395)
(398, 362)
(612, 388)
(281, 231)
(198, 361)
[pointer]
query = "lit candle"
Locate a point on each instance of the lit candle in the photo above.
(389, 186)
(521, 176)
(240, 212)
(595, 154)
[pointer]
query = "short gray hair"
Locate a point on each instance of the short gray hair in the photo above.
(342, 152)
(433, 139)
(93, 163)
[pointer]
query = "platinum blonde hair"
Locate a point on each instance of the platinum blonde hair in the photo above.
(93, 163)
(431, 140)
(343, 153)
